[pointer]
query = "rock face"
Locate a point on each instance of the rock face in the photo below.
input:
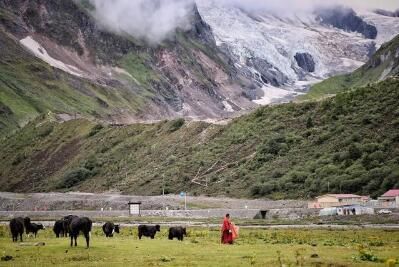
(293, 51)
(305, 61)
(394, 14)
(347, 20)
(186, 76)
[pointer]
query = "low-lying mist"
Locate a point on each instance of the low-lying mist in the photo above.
(151, 20)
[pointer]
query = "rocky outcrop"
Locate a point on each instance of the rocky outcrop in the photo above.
(387, 13)
(347, 20)
(305, 61)
(266, 72)
(185, 76)
(200, 29)
(71, 26)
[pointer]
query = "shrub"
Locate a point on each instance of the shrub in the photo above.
(74, 177)
(297, 176)
(96, 129)
(262, 189)
(91, 163)
(309, 123)
(45, 130)
(274, 146)
(176, 125)
(354, 152)
(18, 159)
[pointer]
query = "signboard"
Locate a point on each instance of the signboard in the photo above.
(134, 208)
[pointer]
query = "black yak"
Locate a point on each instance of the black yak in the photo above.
(59, 229)
(32, 227)
(17, 228)
(148, 230)
(66, 221)
(177, 232)
(77, 225)
(109, 229)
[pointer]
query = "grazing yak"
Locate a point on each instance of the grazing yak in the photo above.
(59, 229)
(77, 225)
(148, 230)
(17, 228)
(66, 221)
(32, 227)
(109, 229)
(177, 232)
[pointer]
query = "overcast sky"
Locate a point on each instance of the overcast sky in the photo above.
(301, 5)
(156, 20)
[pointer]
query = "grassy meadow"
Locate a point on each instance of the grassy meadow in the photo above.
(255, 247)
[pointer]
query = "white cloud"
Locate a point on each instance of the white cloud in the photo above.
(151, 20)
(156, 20)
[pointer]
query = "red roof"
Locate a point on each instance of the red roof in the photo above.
(392, 193)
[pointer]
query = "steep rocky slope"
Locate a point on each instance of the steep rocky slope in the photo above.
(350, 142)
(269, 47)
(55, 57)
(382, 65)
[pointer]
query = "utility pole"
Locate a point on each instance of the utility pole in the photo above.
(328, 187)
(163, 185)
(163, 191)
(185, 201)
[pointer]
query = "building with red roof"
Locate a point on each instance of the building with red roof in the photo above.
(390, 199)
(337, 200)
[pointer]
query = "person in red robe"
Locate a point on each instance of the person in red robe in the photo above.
(227, 230)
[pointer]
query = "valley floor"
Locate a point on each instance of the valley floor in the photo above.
(255, 247)
(90, 201)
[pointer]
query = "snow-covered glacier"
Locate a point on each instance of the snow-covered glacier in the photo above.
(286, 53)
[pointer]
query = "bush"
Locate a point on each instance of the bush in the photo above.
(261, 190)
(74, 177)
(95, 130)
(91, 163)
(18, 159)
(274, 146)
(297, 176)
(354, 152)
(45, 130)
(176, 125)
(309, 123)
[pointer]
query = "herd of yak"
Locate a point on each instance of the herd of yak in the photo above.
(73, 225)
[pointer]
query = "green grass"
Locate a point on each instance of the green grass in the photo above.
(349, 221)
(137, 65)
(201, 248)
(29, 87)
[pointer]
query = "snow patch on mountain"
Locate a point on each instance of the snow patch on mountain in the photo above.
(388, 27)
(227, 106)
(274, 94)
(41, 53)
(263, 46)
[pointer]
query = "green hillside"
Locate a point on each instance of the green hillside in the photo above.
(147, 87)
(384, 63)
(29, 87)
(349, 143)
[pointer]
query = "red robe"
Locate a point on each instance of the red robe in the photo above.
(227, 233)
